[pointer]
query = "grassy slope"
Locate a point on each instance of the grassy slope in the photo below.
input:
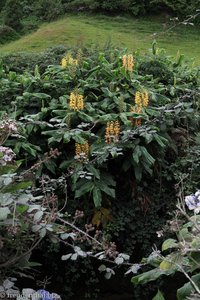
(127, 32)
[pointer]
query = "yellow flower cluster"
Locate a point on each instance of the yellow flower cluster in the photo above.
(141, 99)
(76, 101)
(112, 132)
(82, 151)
(68, 60)
(137, 110)
(128, 62)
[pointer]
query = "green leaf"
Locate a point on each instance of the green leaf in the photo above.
(4, 212)
(19, 186)
(78, 139)
(186, 290)
(85, 188)
(51, 166)
(22, 208)
(106, 189)
(94, 171)
(160, 140)
(85, 117)
(38, 216)
(147, 156)
(168, 244)
(66, 137)
(106, 92)
(137, 154)
(108, 117)
(124, 119)
(147, 276)
(158, 296)
(29, 149)
(97, 197)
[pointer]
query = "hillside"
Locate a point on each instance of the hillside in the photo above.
(132, 33)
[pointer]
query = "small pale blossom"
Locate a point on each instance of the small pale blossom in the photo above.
(6, 155)
(9, 125)
(197, 194)
(193, 202)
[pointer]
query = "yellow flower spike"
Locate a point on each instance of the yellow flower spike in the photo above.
(68, 60)
(64, 63)
(80, 102)
(77, 149)
(117, 128)
(71, 61)
(73, 101)
(124, 61)
(145, 99)
(85, 148)
(112, 132)
(107, 133)
(82, 151)
(111, 128)
(138, 100)
(76, 101)
(116, 131)
(128, 62)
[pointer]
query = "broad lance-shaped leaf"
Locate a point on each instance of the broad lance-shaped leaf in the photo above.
(94, 171)
(4, 212)
(137, 154)
(97, 197)
(6, 199)
(85, 188)
(185, 291)
(19, 186)
(109, 191)
(38, 215)
(168, 244)
(78, 138)
(147, 156)
(149, 276)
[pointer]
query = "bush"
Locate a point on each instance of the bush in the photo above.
(118, 129)
(7, 34)
(135, 7)
(48, 10)
(178, 7)
(13, 13)
(21, 62)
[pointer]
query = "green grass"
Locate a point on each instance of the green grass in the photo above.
(131, 33)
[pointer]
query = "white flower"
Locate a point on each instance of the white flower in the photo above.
(197, 194)
(191, 202)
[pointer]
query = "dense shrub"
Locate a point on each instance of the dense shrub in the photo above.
(136, 7)
(21, 62)
(13, 13)
(48, 10)
(117, 154)
(178, 7)
(7, 34)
